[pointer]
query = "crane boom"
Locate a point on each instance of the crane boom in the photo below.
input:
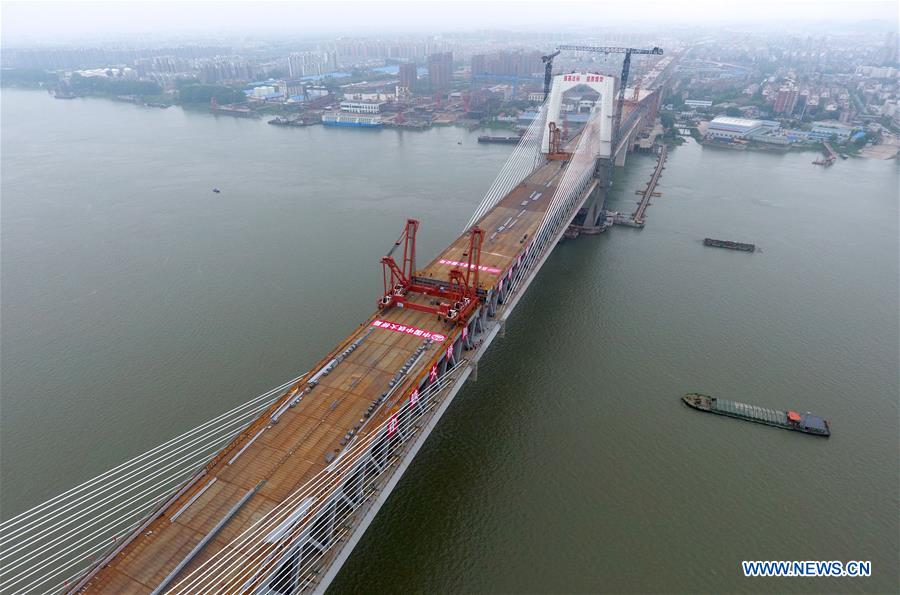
(607, 49)
(548, 71)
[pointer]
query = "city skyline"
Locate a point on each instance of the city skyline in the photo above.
(28, 22)
(613, 217)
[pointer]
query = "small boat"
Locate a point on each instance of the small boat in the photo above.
(216, 190)
(788, 420)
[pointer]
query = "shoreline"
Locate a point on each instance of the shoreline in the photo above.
(267, 112)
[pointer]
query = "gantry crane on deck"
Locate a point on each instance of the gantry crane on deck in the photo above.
(453, 302)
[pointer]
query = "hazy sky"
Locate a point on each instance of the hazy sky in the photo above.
(59, 21)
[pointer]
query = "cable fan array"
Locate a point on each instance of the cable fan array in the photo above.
(252, 558)
(55, 543)
(521, 162)
(40, 546)
(255, 557)
(574, 183)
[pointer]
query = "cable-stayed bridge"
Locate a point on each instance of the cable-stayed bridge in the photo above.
(272, 496)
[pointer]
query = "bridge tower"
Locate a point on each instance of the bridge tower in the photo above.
(606, 87)
(602, 84)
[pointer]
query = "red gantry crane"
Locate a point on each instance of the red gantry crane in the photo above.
(453, 302)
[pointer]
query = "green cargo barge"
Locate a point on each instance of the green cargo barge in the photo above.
(789, 420)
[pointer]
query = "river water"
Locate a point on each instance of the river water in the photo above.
(136, 304)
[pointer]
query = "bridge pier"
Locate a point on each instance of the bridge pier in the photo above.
(596, 202)
(628, 145)
(318, 528)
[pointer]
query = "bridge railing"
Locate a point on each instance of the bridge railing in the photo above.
(292, 544)
(321, 516)
(54, 543)
(284, 550)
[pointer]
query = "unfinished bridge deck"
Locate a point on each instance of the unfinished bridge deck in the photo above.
(279, 458)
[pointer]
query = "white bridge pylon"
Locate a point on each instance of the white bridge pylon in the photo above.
(602, 84)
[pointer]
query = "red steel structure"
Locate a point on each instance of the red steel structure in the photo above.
(453, 302)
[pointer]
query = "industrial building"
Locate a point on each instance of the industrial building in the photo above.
(826, 130)
(361, 107)
(265, 92)
(729, 129)
(290, 88)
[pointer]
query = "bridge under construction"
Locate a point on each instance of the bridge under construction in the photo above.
(273, 496)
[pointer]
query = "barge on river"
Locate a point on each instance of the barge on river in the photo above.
(789, 420)
(729, 245)
(507, 140)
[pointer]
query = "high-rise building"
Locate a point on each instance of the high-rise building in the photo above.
(479, 64)
(507, 64)
(800, 106)
(890, 49)
(408, 76)
(295, 65)
(440, 71)
(785, 100)
(311, 63)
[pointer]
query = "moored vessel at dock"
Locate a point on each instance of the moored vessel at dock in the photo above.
(292, 121)
(352, 120)
(788, 420)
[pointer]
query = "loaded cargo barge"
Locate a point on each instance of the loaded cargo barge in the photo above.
(789, 420)
(728, 244)
(507, 140)
(293, 121)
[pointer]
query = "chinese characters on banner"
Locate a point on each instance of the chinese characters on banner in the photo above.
(481, 267)
(409, 330)
(591, 78)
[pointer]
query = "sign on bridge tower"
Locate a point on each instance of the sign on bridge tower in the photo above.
(602, 84)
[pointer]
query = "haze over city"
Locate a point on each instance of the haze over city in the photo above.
(45, 22)
(449, 297)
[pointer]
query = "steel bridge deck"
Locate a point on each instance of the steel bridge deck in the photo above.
(289, 453)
